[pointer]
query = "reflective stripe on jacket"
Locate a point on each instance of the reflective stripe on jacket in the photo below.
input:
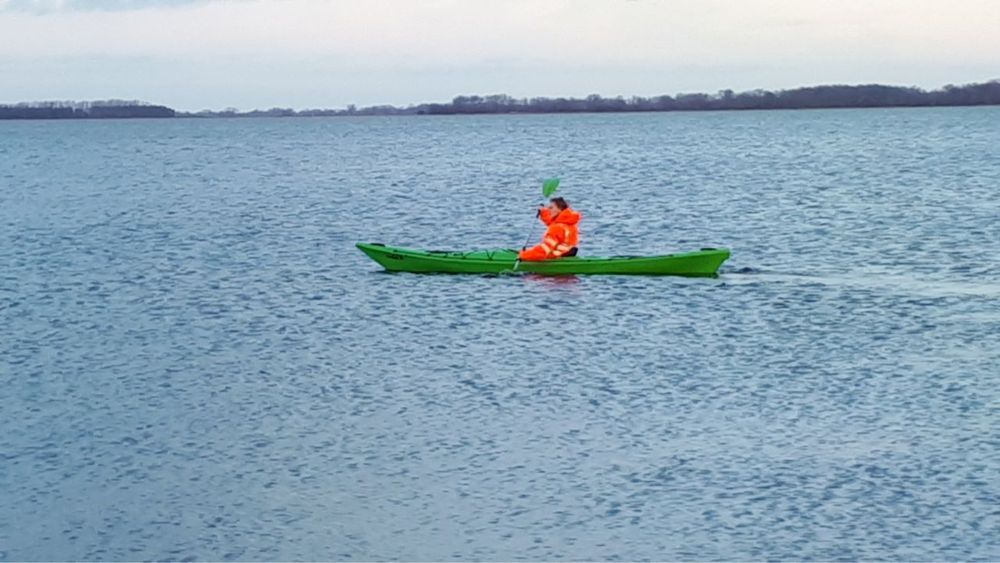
(561, 236)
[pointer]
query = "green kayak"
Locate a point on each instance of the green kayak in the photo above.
(704, 262)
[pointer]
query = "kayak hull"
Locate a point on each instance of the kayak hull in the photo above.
(702, 263)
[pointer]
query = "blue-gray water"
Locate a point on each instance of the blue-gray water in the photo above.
(196, 363)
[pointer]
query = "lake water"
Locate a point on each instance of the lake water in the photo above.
(196, 363)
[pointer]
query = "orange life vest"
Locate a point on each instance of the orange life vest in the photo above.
(561, 236)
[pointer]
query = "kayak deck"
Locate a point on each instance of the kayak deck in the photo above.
(702, 263)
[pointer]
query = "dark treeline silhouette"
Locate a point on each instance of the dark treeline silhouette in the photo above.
(84, 110)
(864, 96)
(814, 97)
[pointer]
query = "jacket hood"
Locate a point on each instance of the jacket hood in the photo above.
(568, 217)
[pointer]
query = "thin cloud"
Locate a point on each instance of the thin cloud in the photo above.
(443, 33)
(57, 6)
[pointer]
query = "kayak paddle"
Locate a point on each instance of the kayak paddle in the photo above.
(549, 187)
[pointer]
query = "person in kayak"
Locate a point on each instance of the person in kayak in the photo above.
(562, 234)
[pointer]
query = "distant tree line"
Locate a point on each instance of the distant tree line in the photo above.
(814, 97)
(84, 110)
(864, 96)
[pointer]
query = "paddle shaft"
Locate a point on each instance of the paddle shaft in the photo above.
(527, 241)
(549, 187)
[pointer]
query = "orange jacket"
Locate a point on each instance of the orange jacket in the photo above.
(562, 235)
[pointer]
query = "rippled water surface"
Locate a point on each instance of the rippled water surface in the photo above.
(196, 363)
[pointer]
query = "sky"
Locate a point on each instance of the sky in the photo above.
(247, 54)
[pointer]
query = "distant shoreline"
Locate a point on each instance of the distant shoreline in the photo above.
(815, 97)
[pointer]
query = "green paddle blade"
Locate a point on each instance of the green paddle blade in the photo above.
(550, 186)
